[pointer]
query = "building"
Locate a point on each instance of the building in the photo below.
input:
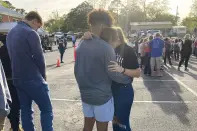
(8, 15)
(150, 25)
(163, 27)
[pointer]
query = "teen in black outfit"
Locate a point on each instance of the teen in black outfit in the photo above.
(186, 52)
(14, 115)
(123, 94)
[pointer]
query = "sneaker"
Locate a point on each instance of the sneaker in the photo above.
(19, 129)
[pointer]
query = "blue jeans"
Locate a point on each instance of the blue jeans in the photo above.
(37, 91)
(123, 100)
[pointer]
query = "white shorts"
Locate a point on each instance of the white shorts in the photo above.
(102, 113)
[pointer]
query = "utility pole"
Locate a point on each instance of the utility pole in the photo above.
(144, 4)
(177, 14)
(127, 27)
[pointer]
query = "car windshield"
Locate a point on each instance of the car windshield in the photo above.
(58, 33)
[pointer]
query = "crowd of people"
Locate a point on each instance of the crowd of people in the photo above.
(155, 51)
(105, 67)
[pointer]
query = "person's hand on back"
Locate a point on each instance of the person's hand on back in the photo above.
(87, 36)
(114, 67)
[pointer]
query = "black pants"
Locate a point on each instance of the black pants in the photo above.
(167, 56)
(61, 56)
(184, 58)
(147, 69)
(14, 116)
(176, 55)
(142, 61)
(195, 51)
(74, 42)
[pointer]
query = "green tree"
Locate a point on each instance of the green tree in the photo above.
(165, 17)
(116, 7)
(9, 5)
(131, 12)
(190, 23)
(76, 19)
(193, 12)
(4, 4)
(55, 23)
(21, 11)
(99, 3)
(157, 8)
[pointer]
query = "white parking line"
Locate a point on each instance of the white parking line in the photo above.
(164, 102)
(137, 80)
(68, 100)
(159, 102)
(181, 83)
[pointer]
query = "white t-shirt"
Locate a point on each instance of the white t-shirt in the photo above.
(131, 44)
(140, 47)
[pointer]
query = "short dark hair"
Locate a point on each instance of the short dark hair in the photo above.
(177, 40)
(34, 15)
(166, 39)
(158, 34)
(100, 16)
(150, 38)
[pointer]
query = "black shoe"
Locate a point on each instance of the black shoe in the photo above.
(62, 62)
(179, 69)
(186, 69)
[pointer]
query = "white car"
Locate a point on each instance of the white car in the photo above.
(153, 32)
(59, 35)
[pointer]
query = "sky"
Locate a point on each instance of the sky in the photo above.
(46, 7)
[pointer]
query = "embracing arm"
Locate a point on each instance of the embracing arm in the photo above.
(131, 68)
(133, 72)
(129, 72)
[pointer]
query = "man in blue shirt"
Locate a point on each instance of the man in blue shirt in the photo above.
(28, 71)
(156, 46)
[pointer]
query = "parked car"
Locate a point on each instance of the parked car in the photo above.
(79, 34)
(153, 32)
(69, 35)
(58, 34)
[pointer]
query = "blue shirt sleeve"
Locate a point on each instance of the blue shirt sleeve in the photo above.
(37, 52)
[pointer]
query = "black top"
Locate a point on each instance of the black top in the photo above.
(187, 47)
(168, 46)
(5, 59)
(126, 57)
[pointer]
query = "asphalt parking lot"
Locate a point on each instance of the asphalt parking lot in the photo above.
(168, 103)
